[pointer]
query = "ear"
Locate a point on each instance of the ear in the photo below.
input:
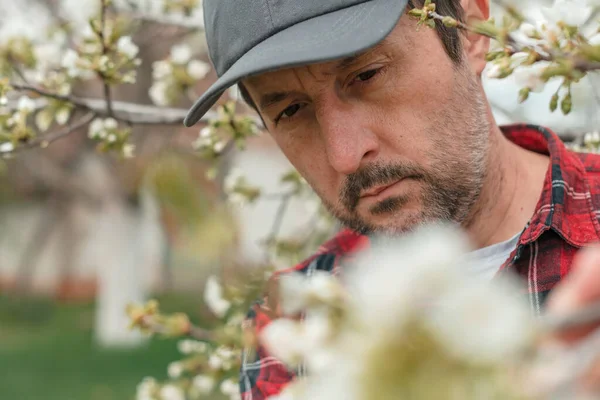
(476, 46)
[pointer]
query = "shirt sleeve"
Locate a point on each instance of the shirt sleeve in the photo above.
(261, 374)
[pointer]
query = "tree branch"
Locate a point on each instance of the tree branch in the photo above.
(46, 140)
(123, 111)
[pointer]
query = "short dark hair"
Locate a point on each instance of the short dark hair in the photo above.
(450, 37)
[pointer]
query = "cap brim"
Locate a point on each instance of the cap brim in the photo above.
(327, 37)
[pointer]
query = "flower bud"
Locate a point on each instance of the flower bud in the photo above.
(554, 102)
(450, 22)
(524, 94)
(567, 104)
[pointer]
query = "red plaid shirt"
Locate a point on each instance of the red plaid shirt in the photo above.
(565, 219)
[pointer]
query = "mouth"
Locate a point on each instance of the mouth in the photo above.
(379, 191)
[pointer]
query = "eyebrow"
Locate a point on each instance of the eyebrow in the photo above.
(269, 99)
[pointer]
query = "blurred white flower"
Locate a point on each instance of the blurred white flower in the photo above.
(229, 387)
(96, 126)
(202, 143)
(394, 278)
(175, 370)
(530, 76)
(204, 383)
(70, 63)
(205, 132)
(171, 392)
(283, 339)
(110, 123)
(161, 69)
(128, 150)
(571, 12)
(215, 362)
(481, 322)
(299, 291)
(146, 389)
(213, 296)
(198, 69)
(126, 46)
(219, 146)
(26, 104)
(158, 93)
(111, 138)
(6, 147)
(189, 346)
(62, 116)
(181, 53)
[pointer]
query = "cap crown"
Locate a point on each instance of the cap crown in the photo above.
(235, 26)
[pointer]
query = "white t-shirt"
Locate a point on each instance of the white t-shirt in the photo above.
(485, 262)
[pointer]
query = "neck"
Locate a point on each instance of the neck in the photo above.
(510, 193)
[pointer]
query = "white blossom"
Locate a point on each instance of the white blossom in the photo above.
(6, 147)
(215, 362)
(146, 388)
(70, 62)
(3, 100)
(530, 76)
(25, 104)
(229, 387)
(571, 12)
(189, 346)
(204, 383)
(126, 46)
(158, 93)
(111, 138)
(175, 370)
(110, 123)
(171, 392)
(128, 150)
(181, 53)
(213, 296)
(197, 69)
(219, 146)
(299, 291)
(283, 338)
(391, 280)
(481, 322)
(161, 69)
(62, 116)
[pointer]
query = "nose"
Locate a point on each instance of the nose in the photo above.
(350, 143)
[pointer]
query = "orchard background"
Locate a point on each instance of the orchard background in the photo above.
(107, 200)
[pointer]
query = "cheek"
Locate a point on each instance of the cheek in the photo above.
(307, 155)
(416, 109)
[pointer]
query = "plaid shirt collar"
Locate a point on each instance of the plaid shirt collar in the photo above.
(565, 204)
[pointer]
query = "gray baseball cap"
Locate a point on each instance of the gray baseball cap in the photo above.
(249, 37)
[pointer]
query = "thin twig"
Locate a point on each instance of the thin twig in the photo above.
(193, 332)
(46, 140)
(107, 89)
(278, 222)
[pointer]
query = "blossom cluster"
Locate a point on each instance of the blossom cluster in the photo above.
(405, 316)
(111, 137)
(176, 75)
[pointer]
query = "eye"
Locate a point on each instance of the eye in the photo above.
(365, 76)
(288, 112)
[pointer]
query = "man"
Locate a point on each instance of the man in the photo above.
(390, 126)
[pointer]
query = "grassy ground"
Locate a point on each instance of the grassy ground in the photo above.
(47, 353)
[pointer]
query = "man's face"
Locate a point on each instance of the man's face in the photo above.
(390, 139)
